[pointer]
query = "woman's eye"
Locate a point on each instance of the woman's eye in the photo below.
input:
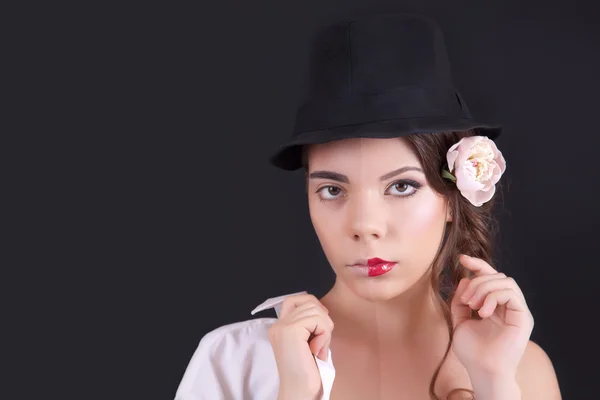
(403, 188)
(400, 189)
(329, 192)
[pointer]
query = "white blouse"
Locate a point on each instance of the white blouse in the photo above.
(236, 362)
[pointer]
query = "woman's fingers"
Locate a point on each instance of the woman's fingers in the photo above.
(485, 292)
(516, 313)
(477, 289)
(320, 327)
(459, 310)
(476, 265)
(475, 282)
(307, 316)
(291, 302)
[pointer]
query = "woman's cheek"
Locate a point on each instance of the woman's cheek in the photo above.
(423, 222)
(329, 230)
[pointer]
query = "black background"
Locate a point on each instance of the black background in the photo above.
(169, 222)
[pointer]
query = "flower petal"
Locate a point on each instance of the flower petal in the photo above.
(465, 180)
(483, 196)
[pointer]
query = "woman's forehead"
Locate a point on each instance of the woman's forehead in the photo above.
(372, 153)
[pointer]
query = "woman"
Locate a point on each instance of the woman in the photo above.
(400, 182)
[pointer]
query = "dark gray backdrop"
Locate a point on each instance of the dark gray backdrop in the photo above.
(181, 226)
(234, 231)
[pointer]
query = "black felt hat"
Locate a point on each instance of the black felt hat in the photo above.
(379, 76)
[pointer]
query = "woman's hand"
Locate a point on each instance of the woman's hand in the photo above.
(303, 329)
(490, 348)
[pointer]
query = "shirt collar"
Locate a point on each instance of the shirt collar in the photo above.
(326, 368)
(273, 302)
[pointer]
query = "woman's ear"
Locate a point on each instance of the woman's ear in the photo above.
(449, 214)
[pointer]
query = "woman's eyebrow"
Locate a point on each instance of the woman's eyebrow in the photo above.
(335, 176)
(399, 171)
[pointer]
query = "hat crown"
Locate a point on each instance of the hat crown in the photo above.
(379, 76)
(376, 54)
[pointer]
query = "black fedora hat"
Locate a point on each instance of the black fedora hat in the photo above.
(378, 76)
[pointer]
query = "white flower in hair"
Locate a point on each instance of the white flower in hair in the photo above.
(475, 164)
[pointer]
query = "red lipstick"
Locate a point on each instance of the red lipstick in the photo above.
(377, 266)
(372, 267)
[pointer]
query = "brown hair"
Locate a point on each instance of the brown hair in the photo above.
(471, 231)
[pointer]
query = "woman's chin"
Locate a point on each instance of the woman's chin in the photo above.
(379, 290)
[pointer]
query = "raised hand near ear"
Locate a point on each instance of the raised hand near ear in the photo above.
(493, 345)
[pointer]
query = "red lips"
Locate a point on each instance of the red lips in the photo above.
(377, 266)
(374, 261)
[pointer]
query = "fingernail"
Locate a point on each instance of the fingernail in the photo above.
(319, 352)
(322, 357)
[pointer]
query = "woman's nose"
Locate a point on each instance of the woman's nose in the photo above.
(367, 219)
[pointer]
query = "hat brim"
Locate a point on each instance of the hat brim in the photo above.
(289, 156)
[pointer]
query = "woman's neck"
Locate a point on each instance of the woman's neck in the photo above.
(412, 317)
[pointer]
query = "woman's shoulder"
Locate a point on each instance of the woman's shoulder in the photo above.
(238, 333)
(234, 360)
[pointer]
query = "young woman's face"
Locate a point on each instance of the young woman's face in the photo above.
(369, 198)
